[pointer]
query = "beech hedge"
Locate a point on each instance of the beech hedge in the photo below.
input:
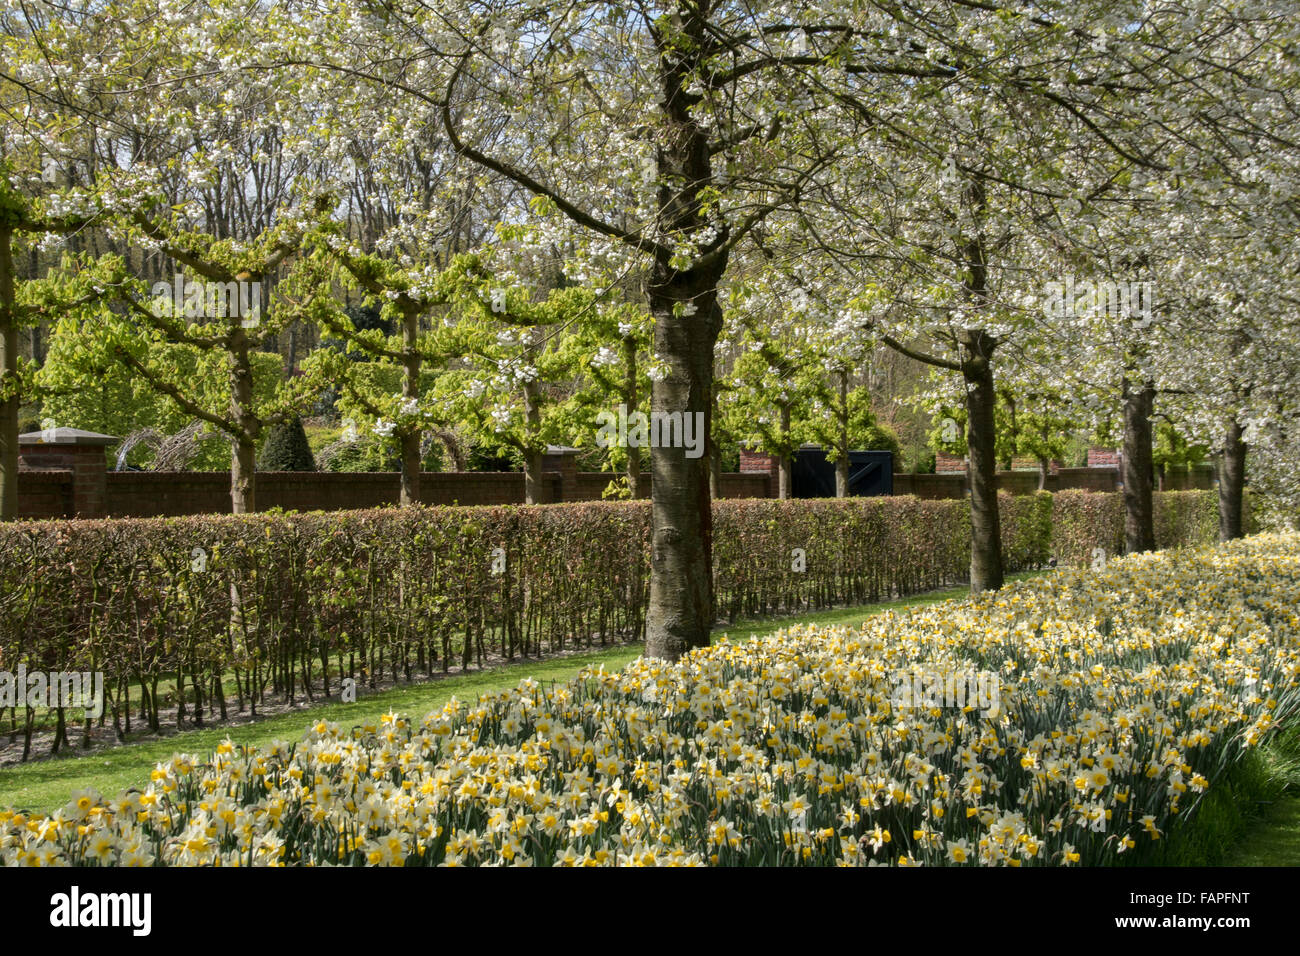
(1082, 522)
(240, 608)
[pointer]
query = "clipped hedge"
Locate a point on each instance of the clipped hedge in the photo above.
(857, 550)
(1081, 521)
(852, 551)
(286, 605)
(1026, 522)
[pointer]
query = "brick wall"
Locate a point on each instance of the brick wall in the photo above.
(1026, 463)
(1018, 482)
(761, 463)
(592, 484)
(564, 462)
(139, 494)
(482, 488)
(1199, 478)
(51, 492)
(1103, 458)
(45, 493)
(85, 463)
(953, 485)
(950, 485)
(945, 464)
(146, 494)
(1105, 478)
(735, 485)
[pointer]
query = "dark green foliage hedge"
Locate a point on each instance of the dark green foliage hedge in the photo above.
(286, 448)
(288, 604)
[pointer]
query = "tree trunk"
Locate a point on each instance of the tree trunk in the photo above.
(783, 460)
(1139, 513)
(680, 615)
(410, 494)
(1013, 438)
(243, 495)
(534, 494)
(243, 458)
(8, 381)
(632, 471)
(37, 331)
(715, 450)
(986, 533)
(631, 399)
(1232, 479)
(981, 400)
(688, 319)
(842, 462)
(1044, 469)
(715, 466)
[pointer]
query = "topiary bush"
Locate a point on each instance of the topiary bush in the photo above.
(286, 448)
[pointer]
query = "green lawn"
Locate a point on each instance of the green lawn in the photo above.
(1274, 839)
(1269, 834)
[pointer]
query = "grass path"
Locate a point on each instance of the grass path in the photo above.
(1270, 833)
(1274, 840)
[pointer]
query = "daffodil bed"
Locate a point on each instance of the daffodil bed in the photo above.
(1124, 695)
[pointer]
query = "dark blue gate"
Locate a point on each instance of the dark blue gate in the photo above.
(870, 473)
